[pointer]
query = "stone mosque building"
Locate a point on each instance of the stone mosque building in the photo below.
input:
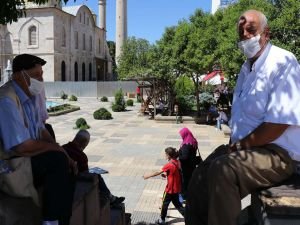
(67, 38)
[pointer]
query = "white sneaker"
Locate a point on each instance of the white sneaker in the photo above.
(50, 222)
(160, 222)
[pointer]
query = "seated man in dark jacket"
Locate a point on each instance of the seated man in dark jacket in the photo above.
(75, 151)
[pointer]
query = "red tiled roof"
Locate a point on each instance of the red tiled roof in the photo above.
(212, 74)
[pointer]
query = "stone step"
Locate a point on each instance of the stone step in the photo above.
(226, 130)
(278, 205)
(174, 119)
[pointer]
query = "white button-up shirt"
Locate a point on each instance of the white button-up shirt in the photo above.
(270, 92)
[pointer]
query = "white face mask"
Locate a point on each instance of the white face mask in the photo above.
(250, 47)
(35, 86)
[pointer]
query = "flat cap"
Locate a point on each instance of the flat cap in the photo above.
(25, 62)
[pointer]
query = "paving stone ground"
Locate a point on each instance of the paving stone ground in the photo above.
(128, 146)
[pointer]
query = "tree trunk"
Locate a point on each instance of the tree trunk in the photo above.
(196, 83)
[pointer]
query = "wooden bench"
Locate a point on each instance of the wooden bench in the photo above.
(278, 205)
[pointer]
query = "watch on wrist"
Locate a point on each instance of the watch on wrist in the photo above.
(238, 146)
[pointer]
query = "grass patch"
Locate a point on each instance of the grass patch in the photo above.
(62, 109)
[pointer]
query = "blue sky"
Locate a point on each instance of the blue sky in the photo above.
(147, 18)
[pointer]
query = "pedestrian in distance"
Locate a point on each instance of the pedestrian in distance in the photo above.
(187, 157)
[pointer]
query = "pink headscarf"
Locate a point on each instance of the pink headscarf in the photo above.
(188, 137)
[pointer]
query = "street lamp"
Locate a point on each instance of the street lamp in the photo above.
(176, 112)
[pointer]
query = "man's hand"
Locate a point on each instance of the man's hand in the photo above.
(234, 147)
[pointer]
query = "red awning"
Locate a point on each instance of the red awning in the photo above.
(212, 74)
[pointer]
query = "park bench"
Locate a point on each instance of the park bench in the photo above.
(277, 205)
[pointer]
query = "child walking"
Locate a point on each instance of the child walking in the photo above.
(173, 188)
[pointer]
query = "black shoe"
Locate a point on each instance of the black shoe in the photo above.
(117, 201)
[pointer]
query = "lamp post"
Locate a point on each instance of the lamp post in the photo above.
(176, 112)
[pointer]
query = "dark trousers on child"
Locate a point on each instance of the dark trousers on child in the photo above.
(167, 199)
(51, 171)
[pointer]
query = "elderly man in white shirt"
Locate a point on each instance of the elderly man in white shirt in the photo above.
(265, 123)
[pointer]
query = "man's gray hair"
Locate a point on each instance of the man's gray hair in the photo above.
(262, 18)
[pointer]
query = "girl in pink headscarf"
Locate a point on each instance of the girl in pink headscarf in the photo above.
(187, 157)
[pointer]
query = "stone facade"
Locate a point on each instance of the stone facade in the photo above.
(66, 37)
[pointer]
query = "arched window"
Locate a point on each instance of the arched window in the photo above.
(32, 40)
(83, 72)
(80, 17)
(83, 41)
(76, 39)
(90, 72)
(76, 71)
(63, 38)
(63, 71)
(91, 43)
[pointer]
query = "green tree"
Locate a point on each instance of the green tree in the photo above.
(134, 59)
(199, 54)
(112, 51)
(285, 25)
(163, 63)
(11, 10)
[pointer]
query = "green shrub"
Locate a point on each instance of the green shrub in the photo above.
(117, 108)
(81, 124)
(206, 99)
(104, 99)
(73, 98)
(102, 114)
(184, 86)
(119, 104)
(63, 95)
(129, 102)
(186, 103)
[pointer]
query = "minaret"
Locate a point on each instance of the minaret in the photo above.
(121, 25)
(102, 16)
(215, 4)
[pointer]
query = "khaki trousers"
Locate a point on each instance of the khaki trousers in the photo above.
(222, 180)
